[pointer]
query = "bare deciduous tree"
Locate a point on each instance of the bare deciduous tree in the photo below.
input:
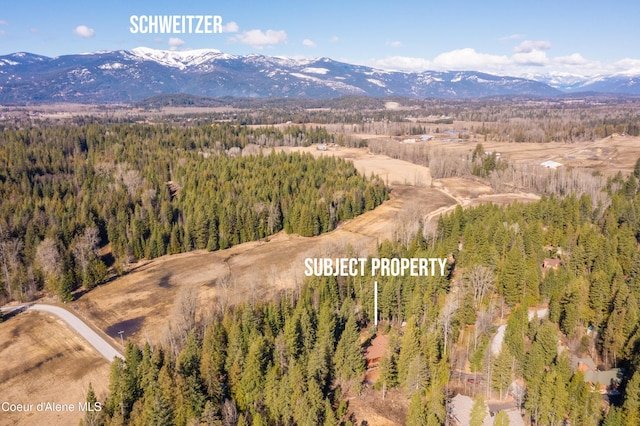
(10, 249)
(229, 413)
(480, 281)
(446, 317)
(85, 248)
(185, 311)
(48, 260)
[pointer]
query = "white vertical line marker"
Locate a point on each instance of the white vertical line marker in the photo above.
(375, 303)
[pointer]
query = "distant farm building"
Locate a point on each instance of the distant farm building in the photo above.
(321, 147)
(376, 350)
(426, 138)
(550, 164)
(410, 140)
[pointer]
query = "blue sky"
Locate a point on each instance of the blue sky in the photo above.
(503, 37)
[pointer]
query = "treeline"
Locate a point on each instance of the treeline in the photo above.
(503, 119)
(77, 199)
(295, 360)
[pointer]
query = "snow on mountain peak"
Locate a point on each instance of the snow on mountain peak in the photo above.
(178, 59)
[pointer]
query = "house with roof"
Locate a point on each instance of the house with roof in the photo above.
(378, 348)
(603, 381)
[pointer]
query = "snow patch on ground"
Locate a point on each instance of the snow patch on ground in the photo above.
(313, 70)
(496, 343)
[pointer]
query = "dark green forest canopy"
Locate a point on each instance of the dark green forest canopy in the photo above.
(146, 191)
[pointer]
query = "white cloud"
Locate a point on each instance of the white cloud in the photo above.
(469, 59)
(534, 58)
(574, 59)
(308, 43)
(393, 43)
(535, 62)
(3, 22)
(334, 39)
(260, 39)
(231, 27)
(528, 46)
(175, 42)
(84, 31)
(404, 63)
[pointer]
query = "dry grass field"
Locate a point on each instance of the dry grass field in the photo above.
(44, 361)
(608, 156)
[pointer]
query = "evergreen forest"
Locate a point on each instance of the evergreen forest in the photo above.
(81, 200)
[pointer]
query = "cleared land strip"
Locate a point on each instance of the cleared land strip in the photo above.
(94, 339)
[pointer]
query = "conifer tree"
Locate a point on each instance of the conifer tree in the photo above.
(348, 360)
(478, 412)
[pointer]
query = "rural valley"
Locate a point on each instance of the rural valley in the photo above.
(179, 234)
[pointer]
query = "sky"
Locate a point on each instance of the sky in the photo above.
(500, 37)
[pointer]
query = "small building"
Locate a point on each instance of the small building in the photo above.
(321, 147)
(378, 348)
(550, 164)
(427, 138)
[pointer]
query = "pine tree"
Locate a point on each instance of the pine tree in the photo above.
(92, 417)
(212, 363)
(511, 279)
(631, 406)
(416, 415)
(501, 372)
(502, 419)
(252, 381)
(409, 350)
(478, 412)
(348, 360)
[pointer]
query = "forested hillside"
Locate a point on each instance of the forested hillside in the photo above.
(296, 361)
(77, 199)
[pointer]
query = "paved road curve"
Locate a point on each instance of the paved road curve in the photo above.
(94, 339)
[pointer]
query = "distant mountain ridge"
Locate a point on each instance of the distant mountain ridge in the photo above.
(125, 76)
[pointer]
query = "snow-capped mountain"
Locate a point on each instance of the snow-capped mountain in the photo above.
(627, 83)
(131, 75)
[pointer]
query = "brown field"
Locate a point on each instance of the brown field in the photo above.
(44, 361)
(608, 155)
(391, 171)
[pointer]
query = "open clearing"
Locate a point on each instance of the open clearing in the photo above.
(44, 361)
(609, 155)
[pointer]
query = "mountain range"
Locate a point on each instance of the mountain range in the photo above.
(125, 76)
